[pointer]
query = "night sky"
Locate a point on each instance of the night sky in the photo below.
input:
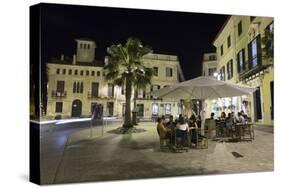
(187, 35)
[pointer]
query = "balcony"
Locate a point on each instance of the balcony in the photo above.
(252, 72)
(93, 95)
(58, 94)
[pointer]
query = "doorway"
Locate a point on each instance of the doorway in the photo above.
(76, 108)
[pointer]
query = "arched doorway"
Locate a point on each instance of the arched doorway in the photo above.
(76, 108)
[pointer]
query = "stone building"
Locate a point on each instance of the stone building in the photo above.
(76, 86)
(240, 59)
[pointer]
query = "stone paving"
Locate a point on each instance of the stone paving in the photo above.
(134, 156)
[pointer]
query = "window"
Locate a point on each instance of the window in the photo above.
(222, 73)
(212, 57)
(155, 87)
(140, 108)
(58, 71)
(254, 52)
(252, 18)
(81, 73)
(239, 28)
(81, 45)
(169, 72)
(229, 69)
(63, 71)
(78, 87)
(98, 73)
(76, 72)
(154, 109)
(88, 46)
(155, 71)
(110, 90)
(74, 87)
(81, 87)
(87, 73)
(221, 50)
(228, 41)
(241, 61)
(95, 89)
(58, 107)
(168, 109)
(211, 71)
(69, 72)
(93, 73)
(60, 86)
(85, 46)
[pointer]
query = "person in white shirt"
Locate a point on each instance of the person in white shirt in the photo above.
(182, 130)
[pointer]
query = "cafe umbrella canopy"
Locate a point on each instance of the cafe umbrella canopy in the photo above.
(203, 87)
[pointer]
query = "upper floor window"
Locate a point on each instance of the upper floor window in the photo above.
(60, 86)
(85, 46)
(58, 71)
(241, 65)
(239, 28)
(252, 18)
(212, 57)
(169, 72)
(110, 90)
(69, 72)
(81, 45)
(222, 50)
(78, 87)
(63, 71)
(98, 73)
(88, 46)
(76, 72)
(87, 73)
(254, 49)
(228, 41)
(81, 72)
(229, 69)
(93, 73)
(155, 71)
(95, 89)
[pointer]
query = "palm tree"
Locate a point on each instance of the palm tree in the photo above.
(143, 78)
(124, 64)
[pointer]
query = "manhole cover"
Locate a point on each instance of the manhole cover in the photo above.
(236, 154)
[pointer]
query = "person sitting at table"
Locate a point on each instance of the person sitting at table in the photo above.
(212, 115)
(198, 121)
(229, 122)
(240, 118)
(181, 131)
(164, 133)
(223, 116)
(192, 127)
(170, 123)
(244, 115)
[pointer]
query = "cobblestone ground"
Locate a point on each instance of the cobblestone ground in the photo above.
(133, 156)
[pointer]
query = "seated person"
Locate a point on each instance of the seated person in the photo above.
(170, 123)
(181, 131)
(198, 121)
(240, 118)
(193, 126)
(164, 133)
(223, 116)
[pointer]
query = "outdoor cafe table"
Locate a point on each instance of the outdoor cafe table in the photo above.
(242, 128)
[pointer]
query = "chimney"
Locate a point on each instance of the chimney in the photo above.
(74, 59)
(62, 57)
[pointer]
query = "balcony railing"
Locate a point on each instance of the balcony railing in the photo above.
(59, 94)
(92, 95)
(250, 71)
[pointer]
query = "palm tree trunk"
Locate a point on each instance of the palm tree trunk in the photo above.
(128, 95)
(134, 119)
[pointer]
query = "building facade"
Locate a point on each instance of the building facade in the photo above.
(209, 64)
(77, 86)
(241, 59)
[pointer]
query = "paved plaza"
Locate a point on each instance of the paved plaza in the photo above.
(82, 155)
